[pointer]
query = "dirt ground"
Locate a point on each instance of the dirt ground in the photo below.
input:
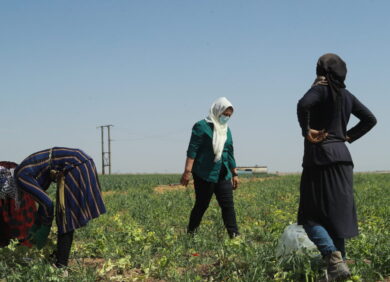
(176, 186)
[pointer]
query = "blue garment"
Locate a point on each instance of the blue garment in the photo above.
(83, 199)
(324, 242)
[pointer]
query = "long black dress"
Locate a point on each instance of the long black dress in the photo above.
(327, 178)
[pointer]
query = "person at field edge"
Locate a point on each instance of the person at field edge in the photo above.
(16, 211)
(210, 159)
(78, 196)
(327, 208)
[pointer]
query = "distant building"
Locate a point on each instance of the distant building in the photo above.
(252, 169)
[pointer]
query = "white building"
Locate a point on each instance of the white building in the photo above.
(252, 169)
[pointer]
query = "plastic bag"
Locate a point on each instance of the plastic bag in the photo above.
(294, 239)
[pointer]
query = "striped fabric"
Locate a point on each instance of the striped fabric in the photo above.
(83, 200)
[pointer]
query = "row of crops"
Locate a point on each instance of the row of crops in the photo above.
(143, 236)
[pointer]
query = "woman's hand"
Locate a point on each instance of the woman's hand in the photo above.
(185, 178)
(316, 136)
(235, 182)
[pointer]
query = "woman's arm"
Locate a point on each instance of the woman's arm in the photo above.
(235, 180)
(193, 148)
(232, 165)
(309, 100)
(196, 141)
(46, 207)
(367, 121)
(185, 178)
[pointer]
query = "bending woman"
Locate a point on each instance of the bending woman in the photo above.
(327, 208)
(78, 197)
(210, 159)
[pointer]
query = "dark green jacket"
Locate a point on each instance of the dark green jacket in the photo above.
(201, 149)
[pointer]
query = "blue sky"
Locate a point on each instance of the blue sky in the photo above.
(153, 68)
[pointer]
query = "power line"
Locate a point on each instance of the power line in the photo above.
(152, 136)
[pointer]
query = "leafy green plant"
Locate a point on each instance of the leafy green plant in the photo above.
(143, 236)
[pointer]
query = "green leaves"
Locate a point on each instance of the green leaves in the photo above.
(143, 236)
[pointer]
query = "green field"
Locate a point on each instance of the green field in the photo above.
(143, 236)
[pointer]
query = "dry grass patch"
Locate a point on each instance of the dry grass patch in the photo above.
(172, 187)
(178, 187)
(256, 179)
(111, 193)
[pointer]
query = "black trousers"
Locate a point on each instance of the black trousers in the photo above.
(4, 234)
(204, 191)
(64, 244)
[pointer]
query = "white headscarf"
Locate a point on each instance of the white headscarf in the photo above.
(220, 130)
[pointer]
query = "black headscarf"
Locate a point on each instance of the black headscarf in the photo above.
(334, 69)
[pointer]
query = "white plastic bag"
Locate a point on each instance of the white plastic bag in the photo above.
(294, 239)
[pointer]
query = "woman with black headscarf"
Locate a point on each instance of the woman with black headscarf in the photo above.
(327, 209)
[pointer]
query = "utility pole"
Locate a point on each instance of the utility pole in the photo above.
(109, 149)
(106, 155)
(103, 162)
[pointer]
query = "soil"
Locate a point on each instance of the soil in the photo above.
(177, 187)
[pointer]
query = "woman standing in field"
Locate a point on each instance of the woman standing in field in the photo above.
(78, 198)
(210, 159)
(327, 208)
